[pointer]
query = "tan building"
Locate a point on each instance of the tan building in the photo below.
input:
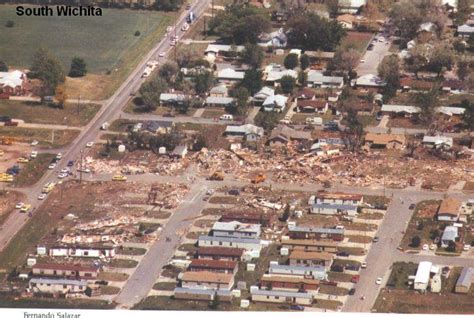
(309, 245)
(387, 141)
(298, 258)
(449, 210)
(210, 280)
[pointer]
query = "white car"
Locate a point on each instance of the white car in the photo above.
(466, 247)
(363, 265)
(59, 156)
(162, 54)
(52, 166)
(19, 205)
(169, 29)
(425, 247)
(173, 43)
(42, 196)
(432, 247)
(85, 170)
(62, 175)
(34, 154)
(378, 281)
(90, 144)
(362, 61)
(65, 170)
(34, 143)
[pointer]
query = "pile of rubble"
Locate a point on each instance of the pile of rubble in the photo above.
(167, 196)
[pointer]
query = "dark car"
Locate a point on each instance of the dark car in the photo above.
(344, 254)
(70, 163)
(296, 307)
(375, 239)
(412, 206)
(352, 291)
(337, 268)
(234, 192)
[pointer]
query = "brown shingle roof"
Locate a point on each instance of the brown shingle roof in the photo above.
(309, 242)
(297, 254)
(383, 139)
(213, 264)
(67, 267)
(450, 206)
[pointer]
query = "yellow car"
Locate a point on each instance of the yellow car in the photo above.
(22, 160)
(4, 177)
(119, 178)
(2, 153)
(25, 208)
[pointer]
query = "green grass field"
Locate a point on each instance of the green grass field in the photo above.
(101, 41)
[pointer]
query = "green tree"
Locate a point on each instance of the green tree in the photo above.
(428, 101)
(168, 71)
(168, 5)
(3, 67)
(48, 69)
(309, 31)
(442, 59)
(203, 82)
(78, 67)
(389, 71)
(199, 143)
(415, 241)
(252, 81)
(462, 69)
(451, 246)
(345, 59)
(304, 61)
(253, 55)
(291, 61)
(355, 130)
(150, 93)
(241, 95)
(406, 17)
(266, 120)
(287, 84)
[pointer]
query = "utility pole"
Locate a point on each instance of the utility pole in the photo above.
(205, 31)
(80, 171)
(212, 8)
(175, 39)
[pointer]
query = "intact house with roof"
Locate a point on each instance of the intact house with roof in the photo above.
(427, 275)
(283, 134)
(74, 271)
(273, 73)
(229, 75)
(173, 99)
(317, 233)
(464, 282)
(236, 229)
(215, 241)
(450, 234)
(215, 266)
(309, 245)
(199, 294)
(283, 297)
(13, 83)
(57, 286)
(207, 280)
(298, 258)
(319, 106)
(262, 95)
(350, 6)
(316, 272)
(214, 101)
(318, 79)
(400, 110)
(465, 30)
(219, 91)
(275, 103)
(220, 253)
(323, 197)
(385, 141)
(370, 81)
(158, 126)
(215, 50)
(289, 283)
(449, 210)
(248, 131)
(334, 209)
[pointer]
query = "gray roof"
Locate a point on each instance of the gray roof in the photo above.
(236, 226)
(166, 97)
(400, 109)
(220, 89)
(317, 268)
(59, 281)
(195, 291)
(465, 28)
(228, 239)
(334, 206)
(466, 277)
(223, 48)
(315, 230)
(264, 292)
(450, 233)
(320, 78)
(219, 100)
(244, 129)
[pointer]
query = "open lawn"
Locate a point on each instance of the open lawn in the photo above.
(44, 136)
(71, 115)
(32, 171)
(360, 40)
(123, 263)
(8, 199)
(107, 43)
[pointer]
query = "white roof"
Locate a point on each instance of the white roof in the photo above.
(245, 129)
(230, 73)
(423, 272)
(216, 48)
(450, 110)
(465, 28)
(51, 281)
(319, 78)
(400, 109)
(170, 96)
(264, 92)
(277, 100)
(11, 79)
(219, 100)
(236, 226)
(370, 80)
(274, 76)
(452, 3)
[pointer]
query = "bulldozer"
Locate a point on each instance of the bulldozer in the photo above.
(258, 178)
(216, 176)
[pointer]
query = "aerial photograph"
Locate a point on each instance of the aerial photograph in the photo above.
(246, 156)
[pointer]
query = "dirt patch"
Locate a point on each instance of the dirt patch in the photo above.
(113, 277)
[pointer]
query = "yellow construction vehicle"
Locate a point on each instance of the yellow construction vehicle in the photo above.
(216, 176)
(259, 178)
(7, 141)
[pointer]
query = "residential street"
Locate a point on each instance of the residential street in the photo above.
(373, 58)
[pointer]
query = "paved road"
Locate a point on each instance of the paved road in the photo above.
(373, 58)
(109, 112)
(178, 119)
(158, 255)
